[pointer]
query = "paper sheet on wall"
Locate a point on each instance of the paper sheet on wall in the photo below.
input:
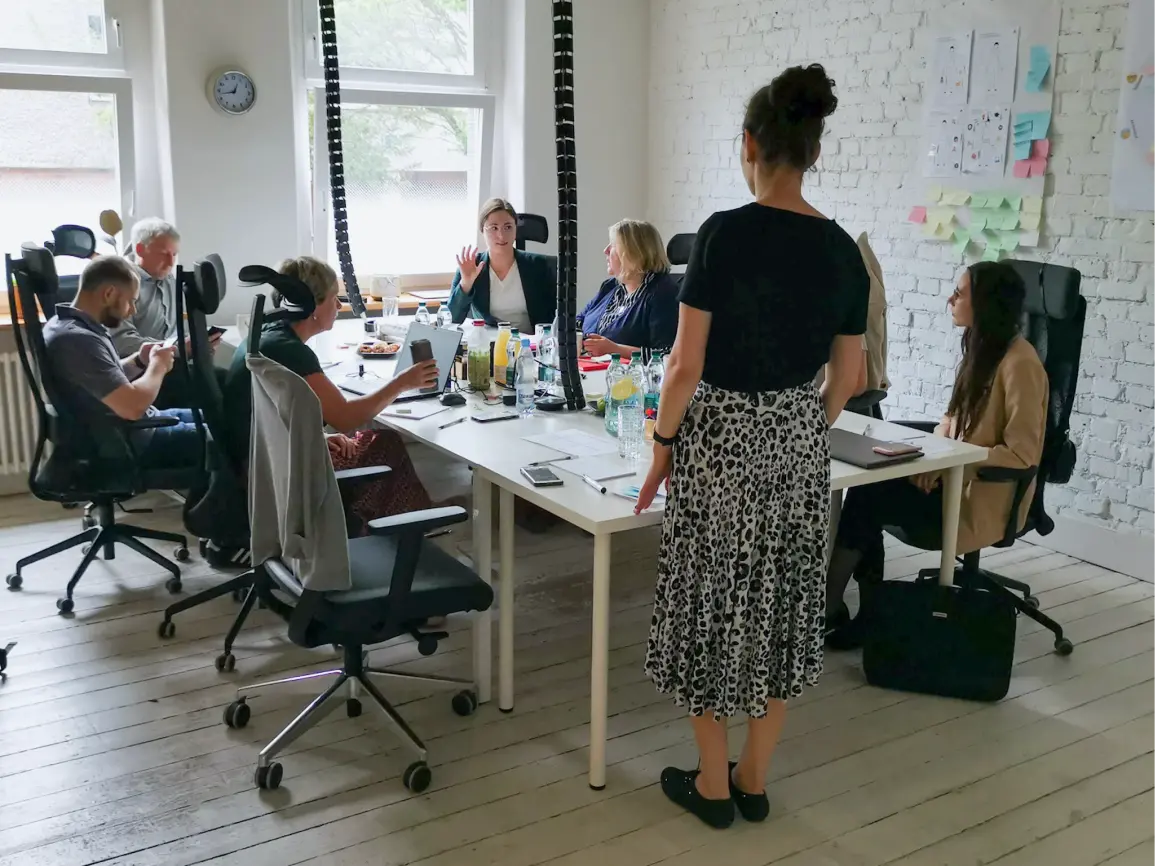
(996, 55)
(950, 69)
(1133, 157)
(985, 141)
(944, 143)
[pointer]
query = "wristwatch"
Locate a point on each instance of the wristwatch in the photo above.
(664, 441)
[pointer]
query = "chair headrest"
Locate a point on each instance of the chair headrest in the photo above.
(207, 288)
(532, 227)
(40, 264)
(1052, 290)
(76, 241)
(678, 249)
(297, 298)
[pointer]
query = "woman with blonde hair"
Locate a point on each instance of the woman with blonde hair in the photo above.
(636, 309)
(284, 341)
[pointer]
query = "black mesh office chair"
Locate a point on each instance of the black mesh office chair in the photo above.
(678, 251)
(78, 242)
(381, 587)
(1054, 316)
(531, 227)
(78, 461)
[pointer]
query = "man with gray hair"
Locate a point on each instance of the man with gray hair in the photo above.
(154, 248)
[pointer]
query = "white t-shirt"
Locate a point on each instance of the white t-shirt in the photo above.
(507, 300)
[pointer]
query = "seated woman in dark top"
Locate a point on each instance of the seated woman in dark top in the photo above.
(283, 341)
(636, 309)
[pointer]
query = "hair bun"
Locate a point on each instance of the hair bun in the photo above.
(804, 92)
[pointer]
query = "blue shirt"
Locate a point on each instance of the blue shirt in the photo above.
(648, 319)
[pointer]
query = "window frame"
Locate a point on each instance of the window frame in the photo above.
(322, 196)
(482, 17)
(121, 88)
(112, 60)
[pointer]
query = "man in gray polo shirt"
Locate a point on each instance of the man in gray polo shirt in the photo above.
(97, 384)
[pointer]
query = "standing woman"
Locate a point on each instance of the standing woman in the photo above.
(773, 290)
(504, 284)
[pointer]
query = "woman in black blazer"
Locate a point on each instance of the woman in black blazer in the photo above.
(504, 284)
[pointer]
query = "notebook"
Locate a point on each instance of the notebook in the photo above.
(857, 450)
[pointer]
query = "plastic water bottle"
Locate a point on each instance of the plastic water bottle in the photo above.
(526, 377)
(512, 350)
(547, 354)
(631, 416)
(421, 317)
(655, 373)
(615, 373)
(444, 316)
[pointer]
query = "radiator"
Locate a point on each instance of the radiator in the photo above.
(17, 422)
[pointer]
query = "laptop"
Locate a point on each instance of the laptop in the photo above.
(443, 342)
(858, 450)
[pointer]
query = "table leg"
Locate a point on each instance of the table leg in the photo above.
(600, 662)
(505, 604)
(951, 505)
(483, 562)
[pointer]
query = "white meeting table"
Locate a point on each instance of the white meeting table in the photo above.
(496, 452)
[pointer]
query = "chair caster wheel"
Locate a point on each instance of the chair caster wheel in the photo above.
(417, 777)
(181, 554)
(14, 581)
(427, 645)
(237, 716)
(465, 703)
(226, 663)
(1032, 601)
(268, 778)
(352, 707)
(1064, 647)
(85, 548)
(64, 605)
(173, 585)
(166, 629)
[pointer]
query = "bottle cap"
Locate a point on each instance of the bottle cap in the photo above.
(503, 324)
(525, 342)
(614, 356)
(637, 355)
(477, 323)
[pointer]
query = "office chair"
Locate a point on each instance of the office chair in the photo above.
(78, 242)
(349, 592)
(531, 227)
(1054, 313)
(88, 461)
(678, 248)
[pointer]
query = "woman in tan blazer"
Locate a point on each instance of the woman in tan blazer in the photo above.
(999, 402)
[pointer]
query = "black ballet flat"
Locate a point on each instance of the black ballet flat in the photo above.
(679, 786)
(752, 807)
(848, 636)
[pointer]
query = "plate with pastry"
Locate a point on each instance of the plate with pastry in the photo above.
(378, 349)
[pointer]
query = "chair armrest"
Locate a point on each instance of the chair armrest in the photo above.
(866, 400)
(363, 472)
(922, 426)
(1006, 473)
(418, 521)
(151, 422)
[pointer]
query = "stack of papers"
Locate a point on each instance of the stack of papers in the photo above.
(576, 443)
(602, 468)
(631, 492)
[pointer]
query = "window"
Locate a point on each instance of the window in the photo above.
(65, 155)
(413, 178)
(60, 33)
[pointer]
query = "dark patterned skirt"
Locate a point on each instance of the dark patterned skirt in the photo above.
(740, 601)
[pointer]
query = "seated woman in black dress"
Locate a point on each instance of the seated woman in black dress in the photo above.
(636, 309)
(999, 402)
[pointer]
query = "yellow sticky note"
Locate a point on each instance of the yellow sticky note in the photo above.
(1032, 204)
(956, 197)
(942, 232)
(934, 194)
(1030, 220)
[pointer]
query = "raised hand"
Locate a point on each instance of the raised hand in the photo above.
(470, 267)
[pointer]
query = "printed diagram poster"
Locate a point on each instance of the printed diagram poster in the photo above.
(1133, 159)
(950, 67)
(995, 57)
(944, 143)
(984, 147)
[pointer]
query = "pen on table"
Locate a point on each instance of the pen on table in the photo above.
(551, 460)
(594, 484)
(450, 423)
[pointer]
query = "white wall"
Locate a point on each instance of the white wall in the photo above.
(235, 183)
(713, 55)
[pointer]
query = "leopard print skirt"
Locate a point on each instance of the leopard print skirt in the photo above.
(741, 591)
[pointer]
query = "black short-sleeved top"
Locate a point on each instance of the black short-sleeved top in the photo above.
(280, 343)
(780, 285)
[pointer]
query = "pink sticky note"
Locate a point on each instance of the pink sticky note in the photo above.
(1022, 168)
(917, 215)
(1149, 69)
(1040, 149)
(1038, 167)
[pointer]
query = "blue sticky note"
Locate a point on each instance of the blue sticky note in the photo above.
(1033, 84)
(1040, 61)
(1023, 149)
(1040, 123)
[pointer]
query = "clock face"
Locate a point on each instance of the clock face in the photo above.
(234, 92)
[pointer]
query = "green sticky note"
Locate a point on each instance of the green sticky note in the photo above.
(1014, 201)
(1032, 204)
(995, 200)
(1008, 241)
(978, 222)
(990, 254)
(961, 242)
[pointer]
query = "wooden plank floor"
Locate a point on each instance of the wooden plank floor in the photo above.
(112, 749)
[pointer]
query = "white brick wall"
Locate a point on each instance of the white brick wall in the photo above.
(708, 56)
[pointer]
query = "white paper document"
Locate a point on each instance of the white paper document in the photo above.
(943, 143)
(576, 443)
(950, 69)
(984, 149)
(996, 56)
(414, 410)
(604, 468)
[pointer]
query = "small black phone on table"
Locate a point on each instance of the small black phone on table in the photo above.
(541, 476)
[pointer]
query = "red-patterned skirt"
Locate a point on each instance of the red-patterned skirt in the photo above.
(397, 492)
